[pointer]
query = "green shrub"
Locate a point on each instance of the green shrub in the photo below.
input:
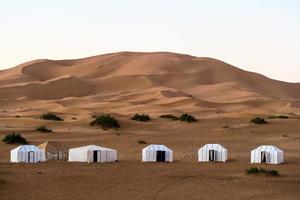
(252, 170)
(187, 118)
(43, 129)
(258, 120)
(141, 142)
(105, 121)
(50, 116)
(169, 116)
(255, 170)
(14, 138)
(141, 117)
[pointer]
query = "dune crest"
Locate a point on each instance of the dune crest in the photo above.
(155, 81)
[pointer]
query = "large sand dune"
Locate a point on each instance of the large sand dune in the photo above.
(157, 82)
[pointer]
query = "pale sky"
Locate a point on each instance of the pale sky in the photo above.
(260, 36)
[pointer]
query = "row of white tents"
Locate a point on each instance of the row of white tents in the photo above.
(152, 153)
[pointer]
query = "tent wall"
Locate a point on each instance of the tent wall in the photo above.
(21, 154)
(105, 156)
(87, 154)
(221, 153)
(149, 153)
(78, 155)
(274, 155)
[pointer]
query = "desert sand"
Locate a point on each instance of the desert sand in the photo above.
(125, 83)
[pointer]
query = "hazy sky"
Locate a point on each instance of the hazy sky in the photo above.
(261, 36)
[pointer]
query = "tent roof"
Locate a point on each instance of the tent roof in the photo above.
(91, 148)
(157, 147)
(213, 146)
(51, 145)
(26, 148)
(267, 148)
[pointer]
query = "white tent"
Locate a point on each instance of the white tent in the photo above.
(212, 152)
(27, 153)
(92, 153)
(267, 154)
(157, 153)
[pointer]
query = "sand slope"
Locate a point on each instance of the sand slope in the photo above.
(157, 81)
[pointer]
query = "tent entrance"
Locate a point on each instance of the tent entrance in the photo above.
(263, 157)
(160, 156)
(96, 156)
(30, 156)
(212, 155)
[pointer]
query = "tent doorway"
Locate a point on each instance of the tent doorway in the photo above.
(31, 156)
(263, 157)
(96, 156)
(212, 155)
(160, 156)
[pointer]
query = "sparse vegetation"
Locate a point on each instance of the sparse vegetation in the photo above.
(106, 122)
(187, 118)
(278, 117)
(141, 142)
(141, 117)
(14, 138)
(51, 116)
(169, 116)
(226, 126)
(255, 170)
(43, 129)
(17, 116)
(258, 120)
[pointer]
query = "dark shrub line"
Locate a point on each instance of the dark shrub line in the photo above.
(258, 120)
(278, 117)
(187, 118)
(105, 121)
(184, 117)
(255, 170)
(141, 117)
(50, 116)
(14, 138)
(43, 129)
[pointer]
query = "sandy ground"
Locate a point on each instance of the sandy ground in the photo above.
(131, 179)
(125, 83)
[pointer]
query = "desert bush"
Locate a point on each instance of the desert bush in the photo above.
(51, 116)
(252, 170)
(187, 118)
(17, 116)
(105, 121)
(258, 120)
(278, 117)
(43, 129)
(141, 117)
(255, 170)
(226, 126)
(14, 138)
(141, 142)
(169, 116)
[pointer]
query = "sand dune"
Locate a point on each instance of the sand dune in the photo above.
(159, 79)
